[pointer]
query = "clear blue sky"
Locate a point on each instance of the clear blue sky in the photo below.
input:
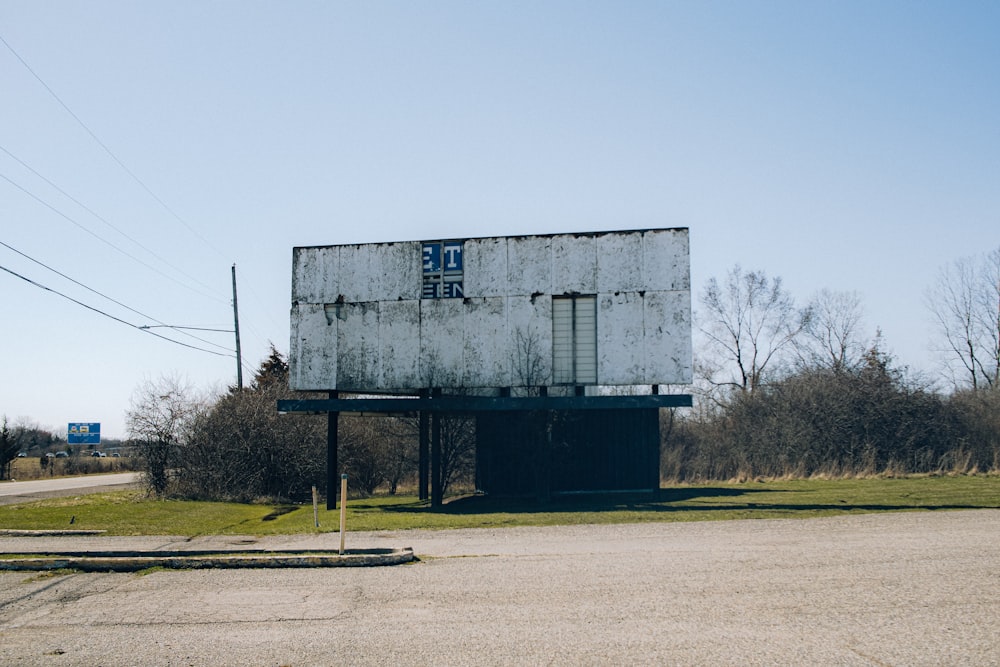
(847, 145)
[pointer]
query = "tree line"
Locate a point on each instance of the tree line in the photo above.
(798, 391)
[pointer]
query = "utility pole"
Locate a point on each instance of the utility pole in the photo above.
(236, 327)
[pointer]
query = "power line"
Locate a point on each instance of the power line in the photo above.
(109, 316)
(101, 218)
(113, 156)
(108, 150)
(105, 296)
(101, 238)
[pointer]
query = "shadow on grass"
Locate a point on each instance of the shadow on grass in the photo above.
(582, 502)
(668, 501)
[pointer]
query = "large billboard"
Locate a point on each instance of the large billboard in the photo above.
(554, 311)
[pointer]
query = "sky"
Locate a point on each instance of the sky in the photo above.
(147, 147)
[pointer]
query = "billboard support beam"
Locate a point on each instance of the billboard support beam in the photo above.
(424, 449)
(466, 404)
(332, 424)
(437, 497)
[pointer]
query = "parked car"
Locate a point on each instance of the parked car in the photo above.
(99, 454)
(62, 455)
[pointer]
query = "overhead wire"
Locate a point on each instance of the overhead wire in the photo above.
(93, 233)
(116, 159)
(108, 315)
(107, 150)
(179, 330)
(105, 221)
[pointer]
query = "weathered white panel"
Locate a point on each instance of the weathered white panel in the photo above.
(486, 362)
(530, 340)
(377, 334)
(620, 354)
(574, 264)
(668, 337)
(361, 273)
(485, 271)
(619, 263)
(666, 260)
(399, 267)
(315, 274)
(399, 344)
(529, 265)
(442, 342)
(313, 361)
(357, 346)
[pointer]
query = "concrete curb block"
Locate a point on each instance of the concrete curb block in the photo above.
(134, 561)
(17, 532)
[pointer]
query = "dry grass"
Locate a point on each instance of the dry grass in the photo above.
(29, 467)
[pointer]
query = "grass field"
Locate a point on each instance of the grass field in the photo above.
(130, 513)
(29, 467)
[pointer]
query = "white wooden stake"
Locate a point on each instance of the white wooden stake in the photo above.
(343, 511)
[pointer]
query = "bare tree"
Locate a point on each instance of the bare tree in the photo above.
(241, 449)
(750, 321)
(458, 447)
(527, 362)
(159, 414)
(364, 451)
(832, 337)
(965, 305)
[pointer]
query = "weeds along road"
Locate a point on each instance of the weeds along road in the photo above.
(914, 588)
(35, 489)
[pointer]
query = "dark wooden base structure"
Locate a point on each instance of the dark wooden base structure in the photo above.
(535, 445)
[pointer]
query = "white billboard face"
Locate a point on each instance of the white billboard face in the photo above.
(562, 310)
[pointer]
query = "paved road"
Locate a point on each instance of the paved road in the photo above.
(888, 589)
(19, 492)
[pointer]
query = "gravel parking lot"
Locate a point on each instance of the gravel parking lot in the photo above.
(887, 589)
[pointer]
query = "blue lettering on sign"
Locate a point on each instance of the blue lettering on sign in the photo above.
(443, 269)
(452, 256)
(432, 257)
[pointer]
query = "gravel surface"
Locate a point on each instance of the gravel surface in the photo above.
(889, 589)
